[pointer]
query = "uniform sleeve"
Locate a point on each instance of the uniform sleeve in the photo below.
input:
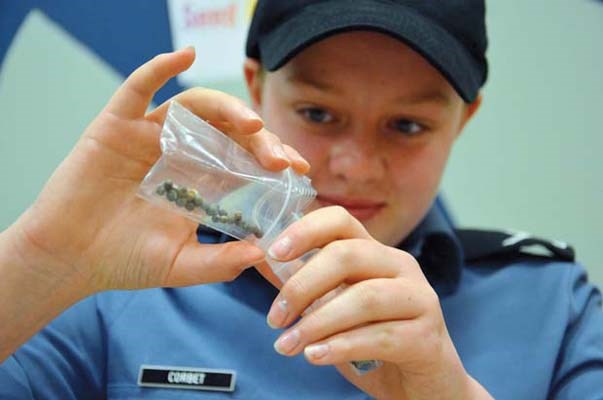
(63, 361)
(579, 372)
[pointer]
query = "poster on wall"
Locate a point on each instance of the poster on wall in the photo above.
(217, 29)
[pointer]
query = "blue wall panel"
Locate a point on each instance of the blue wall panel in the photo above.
(123, 33)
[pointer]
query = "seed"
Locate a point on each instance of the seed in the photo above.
(214, 218)
(211, 211)
(190, 206)
(182, 192)
(198, 201)
(181, 201)
(191, 194)
(257, 232)
(236, 217)
(168, 185)
(160, 190)
(172, 195)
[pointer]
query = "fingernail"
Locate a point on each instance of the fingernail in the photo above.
(316, 351)
(278, 152)
(189, 47)
(287, 343)
(280, 248)
(278, 314)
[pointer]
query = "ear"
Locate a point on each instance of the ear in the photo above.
(470, 110)
(254, 78)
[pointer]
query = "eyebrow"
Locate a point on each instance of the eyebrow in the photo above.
(308, 81)
(429, 96)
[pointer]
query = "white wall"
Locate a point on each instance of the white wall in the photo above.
(531, 159)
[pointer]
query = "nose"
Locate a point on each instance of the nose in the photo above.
(357, 160)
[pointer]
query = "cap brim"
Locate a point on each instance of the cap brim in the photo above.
(324, 19)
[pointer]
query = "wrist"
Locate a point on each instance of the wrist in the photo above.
(446, 379)
(37, 263)
(33, 290)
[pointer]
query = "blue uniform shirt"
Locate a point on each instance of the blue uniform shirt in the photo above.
(527, 329)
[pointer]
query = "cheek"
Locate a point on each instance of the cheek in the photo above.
(417, 172)
(415, 177)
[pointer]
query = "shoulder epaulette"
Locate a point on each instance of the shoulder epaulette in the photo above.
(482, 244)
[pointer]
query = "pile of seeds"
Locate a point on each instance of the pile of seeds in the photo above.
(190, 199)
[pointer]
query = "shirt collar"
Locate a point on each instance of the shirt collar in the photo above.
(437, 249)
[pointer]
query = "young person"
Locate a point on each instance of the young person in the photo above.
(373, 94)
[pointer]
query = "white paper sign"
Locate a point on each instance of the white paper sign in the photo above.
(217, 29)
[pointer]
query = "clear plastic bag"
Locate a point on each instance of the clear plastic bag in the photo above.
(209, 178)
(206, 176)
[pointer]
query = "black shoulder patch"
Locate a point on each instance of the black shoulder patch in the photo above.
(482, 244)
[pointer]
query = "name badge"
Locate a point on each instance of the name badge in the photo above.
(221, 380)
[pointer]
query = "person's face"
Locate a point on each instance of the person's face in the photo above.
(374, 119)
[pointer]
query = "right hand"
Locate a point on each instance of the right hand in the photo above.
(88, 227)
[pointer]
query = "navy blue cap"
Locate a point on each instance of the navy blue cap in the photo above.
(450, 34)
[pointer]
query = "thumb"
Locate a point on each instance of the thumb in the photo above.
(198, 263)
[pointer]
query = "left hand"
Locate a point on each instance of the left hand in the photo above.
(388, 311)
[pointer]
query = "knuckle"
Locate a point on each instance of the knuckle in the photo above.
(293, 290)
(429, 339)
(267, 137)
(158, 58)
(347, 222)
(234, 269)
(343, 347)
(232, 274)
(408, 260)
(155, 65)
(290, 149)
(340, 250)
(431, 299)
(196, 92)
(386, 339)
(203, 94)
(311, 323)
(229, 274)
(342, 215)
(202, 91)
(261, 140)
(370, 296)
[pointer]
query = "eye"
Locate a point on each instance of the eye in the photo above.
(316, 114)
(407, 127)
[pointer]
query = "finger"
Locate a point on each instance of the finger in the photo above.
(391, 341)
(268, 149)
(213, 106)
(348, 261)
(134, 96)
(367, 302)
(200, 263)
(232, 117)
(315, 230)
(298, 163)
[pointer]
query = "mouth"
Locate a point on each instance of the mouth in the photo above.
(361, 209)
